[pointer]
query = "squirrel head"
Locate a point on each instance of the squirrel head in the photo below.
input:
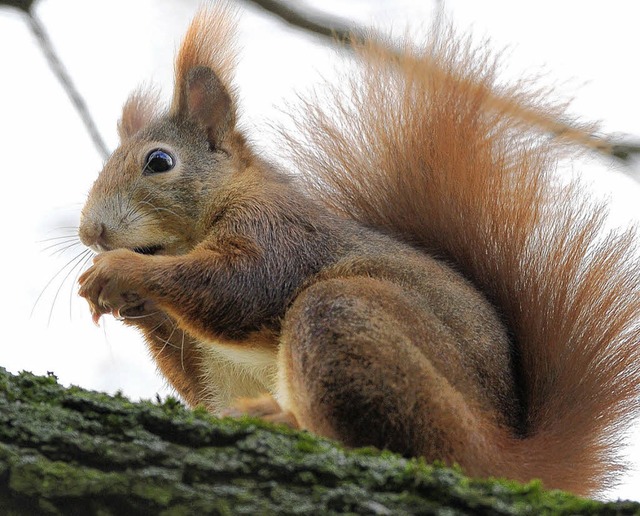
(163, 186)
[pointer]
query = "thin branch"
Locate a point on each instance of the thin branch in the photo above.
(69, 87)
(625, 151)
(23, 5)
(328, 27)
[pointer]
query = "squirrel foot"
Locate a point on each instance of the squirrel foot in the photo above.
(263, 407)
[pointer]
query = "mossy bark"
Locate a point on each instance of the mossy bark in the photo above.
(71, 451)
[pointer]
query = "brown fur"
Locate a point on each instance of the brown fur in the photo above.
(172, 349)
(475, 187)
(141, 107)
(210, 43)
(427, 287)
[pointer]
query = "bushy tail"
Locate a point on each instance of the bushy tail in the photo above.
(426, 144)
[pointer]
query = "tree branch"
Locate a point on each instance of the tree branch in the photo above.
(23, 5)
(326, 26)
(63, 76)
(72, 451)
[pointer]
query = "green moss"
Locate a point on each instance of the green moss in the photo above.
(74, 451)
(152, 489)
(35, 476)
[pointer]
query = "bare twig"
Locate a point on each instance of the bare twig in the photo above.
(316, 23)
(69, 87)
(625, 151)
(23, 5)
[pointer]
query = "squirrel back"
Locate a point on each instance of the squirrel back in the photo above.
(423, 143)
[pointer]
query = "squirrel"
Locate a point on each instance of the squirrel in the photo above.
(421, 282)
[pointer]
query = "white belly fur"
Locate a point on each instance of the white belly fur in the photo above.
(235, 371)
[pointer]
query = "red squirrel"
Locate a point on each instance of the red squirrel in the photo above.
(421, 282)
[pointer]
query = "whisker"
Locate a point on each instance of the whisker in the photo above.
(60, 237)
(73, 263)
(158, 208)
(72, 229)
(136, 215)
(182, 350)
(175, 327)
(62, 247)
(133, 208)
(80, 268)
(79, 260)
(166, 341)
(161, 349)
(153, 330)
(143, 317)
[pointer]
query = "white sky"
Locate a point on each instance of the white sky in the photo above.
(48, 161)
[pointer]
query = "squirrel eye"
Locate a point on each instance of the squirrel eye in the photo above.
(158, 161)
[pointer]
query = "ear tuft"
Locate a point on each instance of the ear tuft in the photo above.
(203, 71)
(138, 111)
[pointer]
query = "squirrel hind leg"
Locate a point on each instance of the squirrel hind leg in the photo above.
(264, 407)
(350, 370)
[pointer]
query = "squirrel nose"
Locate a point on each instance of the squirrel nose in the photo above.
(93, 234)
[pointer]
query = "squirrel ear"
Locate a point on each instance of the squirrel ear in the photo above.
(207, 102)
(138, 111)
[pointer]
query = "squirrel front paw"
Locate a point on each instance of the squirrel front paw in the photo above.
(113, 285)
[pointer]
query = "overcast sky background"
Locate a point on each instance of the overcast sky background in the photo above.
(49, 162)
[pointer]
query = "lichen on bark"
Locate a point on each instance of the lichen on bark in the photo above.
(72, 451)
